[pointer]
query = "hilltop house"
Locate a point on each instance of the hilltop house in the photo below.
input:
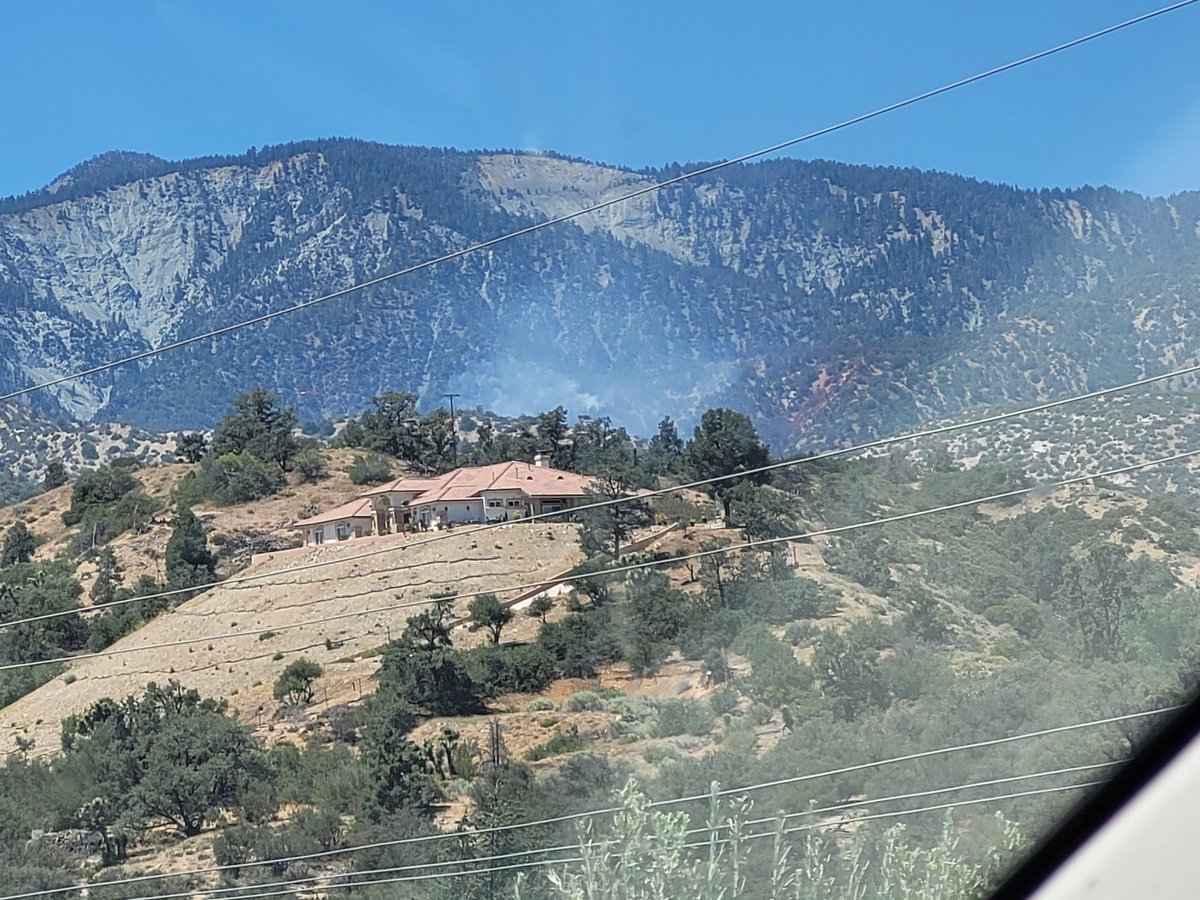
(499, 492)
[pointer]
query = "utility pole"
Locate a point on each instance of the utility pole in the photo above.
(454, 425)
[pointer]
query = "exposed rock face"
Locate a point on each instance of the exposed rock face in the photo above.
(826, 299)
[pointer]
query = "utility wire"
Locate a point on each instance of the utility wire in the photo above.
(603, 204)
(218, 892)
(736, 791)
(324, 882)
(468, 532)
(616, 570)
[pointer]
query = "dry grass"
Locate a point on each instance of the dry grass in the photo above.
(238, 665)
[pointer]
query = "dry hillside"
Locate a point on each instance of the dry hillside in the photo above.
(252, 625)
(235, 532)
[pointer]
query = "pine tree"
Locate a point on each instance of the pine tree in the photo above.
(189, 561)
(19, 545)
(108, 577)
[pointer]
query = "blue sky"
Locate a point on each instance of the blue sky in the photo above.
(631, 83)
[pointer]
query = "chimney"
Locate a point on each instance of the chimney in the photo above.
(539, 460)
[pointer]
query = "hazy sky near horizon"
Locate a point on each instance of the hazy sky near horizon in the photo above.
(634, 84)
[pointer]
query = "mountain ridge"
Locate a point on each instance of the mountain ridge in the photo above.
(826, 299)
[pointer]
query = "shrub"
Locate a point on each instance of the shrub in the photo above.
(310, 464)
(583, 701)
(675, 717)
(799, 633)
(724, 702)
(760, 714)
(657, 754)
(566, 742)
(228, 479)
(371, 469)
(541, 704)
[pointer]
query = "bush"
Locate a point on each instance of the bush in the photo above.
(583, 701)
(371, 469)
(310, 464)
(675, 717)
(97, 489)
(228, 479)
(567, 742)
(776, 677)
(541, 704)
(657, 754)
(724, 702)
(799, 633)
(520, 669)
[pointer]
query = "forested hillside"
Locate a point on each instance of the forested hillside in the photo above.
(823, 299)
(383, 760)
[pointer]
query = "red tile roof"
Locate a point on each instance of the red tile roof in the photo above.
(355, 509)
(469, 483)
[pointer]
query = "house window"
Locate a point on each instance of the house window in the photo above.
(318, 535)
(343, 531)
(495, 504)
(515, 503)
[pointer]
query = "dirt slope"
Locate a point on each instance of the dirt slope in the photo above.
(243, 659)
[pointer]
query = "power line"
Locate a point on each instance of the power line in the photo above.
(603, 204)
(616, 570)
(807, 813)
(325, 880)
(214, 893)
(815, 457)
(744, 789)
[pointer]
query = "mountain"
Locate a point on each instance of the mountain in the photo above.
(828, 300)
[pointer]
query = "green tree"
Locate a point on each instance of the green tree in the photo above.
(389, 426)
(195, 767)
(1097, 595)
(189, 562)
(424, 670)
(108, 577)
(847, 667)
(488, 613)
(19, 545)
(30, 590)
(606, 527)
(166, 755)
(295, 683)
(55, 476)
(657, 614)
(763, 512)
(539, 607)
(436, 438)
(191, 445)
(259, 426)
(666, 440)
(399, 772)
(97, 489)
(552, 432)
(725, 443)
(310, 463)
